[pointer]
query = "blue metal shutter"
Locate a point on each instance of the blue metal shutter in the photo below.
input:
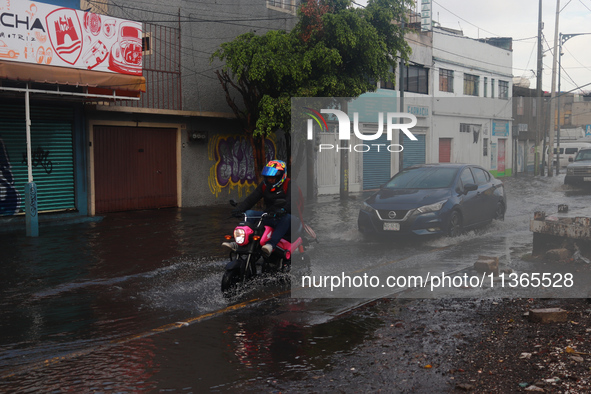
(376, 165)
(52, 157)
(414, 151)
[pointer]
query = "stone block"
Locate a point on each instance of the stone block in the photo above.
(487, 264)
(556, 255)
(548, 315)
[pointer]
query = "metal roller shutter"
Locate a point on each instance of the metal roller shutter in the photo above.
(52, 158)
(414, 151)
(376, 165)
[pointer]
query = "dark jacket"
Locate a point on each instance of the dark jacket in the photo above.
(270, 197)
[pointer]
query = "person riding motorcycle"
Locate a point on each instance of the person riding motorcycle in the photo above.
(275, 190)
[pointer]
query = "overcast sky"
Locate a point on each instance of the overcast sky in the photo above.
(519, 19)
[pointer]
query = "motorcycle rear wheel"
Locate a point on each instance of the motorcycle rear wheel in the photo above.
(230, 281)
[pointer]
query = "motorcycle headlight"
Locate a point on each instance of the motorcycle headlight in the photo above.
(431, 207)
(367, 208)
(240, 236)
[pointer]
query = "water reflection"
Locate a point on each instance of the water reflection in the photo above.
(80, 285)
(73, 290)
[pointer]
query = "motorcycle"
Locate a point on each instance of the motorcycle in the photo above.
(250, 236)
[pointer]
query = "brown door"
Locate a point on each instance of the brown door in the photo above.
(444, 150)
(134, 168)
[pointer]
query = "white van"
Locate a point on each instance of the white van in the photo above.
(568, 151)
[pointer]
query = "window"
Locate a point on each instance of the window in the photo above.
(289, 6)
(481, 176)
(469, 128)
(467, 177)
(147, 44)
(446, 80)
(485, 93)
(492, 87)
(520, 105)
(416, 79)
(387, 84)
(503, 90)
(471, 84)
(485, 147)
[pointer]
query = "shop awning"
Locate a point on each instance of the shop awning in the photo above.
(26, 72)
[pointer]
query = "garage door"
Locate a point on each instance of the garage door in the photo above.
(134, 168)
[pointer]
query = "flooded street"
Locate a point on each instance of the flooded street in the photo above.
(132, 302)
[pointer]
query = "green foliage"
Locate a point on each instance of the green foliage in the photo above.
(335, 50)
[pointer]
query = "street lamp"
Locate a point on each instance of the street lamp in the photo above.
(563, 38)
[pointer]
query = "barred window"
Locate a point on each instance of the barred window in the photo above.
(471, 84)
(289, 6)
(503, 89)
(416, 79)
(446, 80)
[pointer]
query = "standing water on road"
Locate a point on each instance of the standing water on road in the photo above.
(90, 293)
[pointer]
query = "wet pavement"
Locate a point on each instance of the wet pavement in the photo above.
(132, 302)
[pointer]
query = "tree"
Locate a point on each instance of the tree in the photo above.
(335, 50)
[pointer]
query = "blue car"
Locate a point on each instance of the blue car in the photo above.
(443, 199)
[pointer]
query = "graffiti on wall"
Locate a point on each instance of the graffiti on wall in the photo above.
(234, 164)
(10, 199)
(39, 157)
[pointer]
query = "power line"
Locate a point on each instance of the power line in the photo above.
(470, 23)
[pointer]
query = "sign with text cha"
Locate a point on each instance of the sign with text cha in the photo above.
(44, 34)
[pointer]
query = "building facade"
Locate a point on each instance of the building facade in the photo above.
(102, 146)
(460, 91)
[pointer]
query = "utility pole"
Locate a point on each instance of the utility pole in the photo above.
(553, 94)
(344, 173)
(400, 132)
(539, 123)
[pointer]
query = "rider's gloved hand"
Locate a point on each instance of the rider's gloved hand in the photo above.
(277, 212)
(237, 213)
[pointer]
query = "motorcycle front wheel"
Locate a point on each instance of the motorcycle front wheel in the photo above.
(230, 280)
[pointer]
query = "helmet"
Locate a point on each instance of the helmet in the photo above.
(275, 168)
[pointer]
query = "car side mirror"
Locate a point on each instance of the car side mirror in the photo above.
(470, 187)
(570, 159)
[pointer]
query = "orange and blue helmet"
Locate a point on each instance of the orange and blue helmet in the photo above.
(275, 168)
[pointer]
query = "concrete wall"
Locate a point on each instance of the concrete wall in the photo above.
(216, 169)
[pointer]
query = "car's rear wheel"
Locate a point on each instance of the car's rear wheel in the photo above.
(500, 212)
(455, 224)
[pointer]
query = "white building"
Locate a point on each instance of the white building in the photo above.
(472, 110)
(458, 88)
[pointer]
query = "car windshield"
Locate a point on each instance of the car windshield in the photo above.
(423, 178)
(583, 155)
